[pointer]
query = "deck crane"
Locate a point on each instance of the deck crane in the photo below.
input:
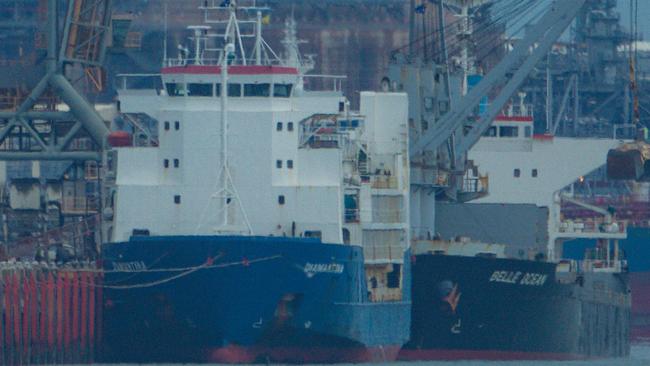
(509, 74)
(83, 42)
(442, 132)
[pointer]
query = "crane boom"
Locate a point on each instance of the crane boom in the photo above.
(512, 71)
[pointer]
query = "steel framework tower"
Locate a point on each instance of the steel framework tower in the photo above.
(51, 131)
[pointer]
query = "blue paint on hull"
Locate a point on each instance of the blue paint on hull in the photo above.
(250, 292)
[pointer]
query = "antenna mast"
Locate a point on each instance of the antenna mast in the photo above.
(165, 54)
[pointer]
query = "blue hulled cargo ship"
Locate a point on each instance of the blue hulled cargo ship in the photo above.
(245, 299)
(249, 218)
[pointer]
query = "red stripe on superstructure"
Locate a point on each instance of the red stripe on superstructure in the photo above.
(513, 119)
(484, 355)
(232, 70)
(543, 137)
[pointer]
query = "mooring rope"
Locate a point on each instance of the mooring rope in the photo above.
(187, 271)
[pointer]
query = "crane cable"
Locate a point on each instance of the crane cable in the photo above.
(633, 55)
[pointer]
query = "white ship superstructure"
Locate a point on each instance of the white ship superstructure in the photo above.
(531, 169)
(297, 163)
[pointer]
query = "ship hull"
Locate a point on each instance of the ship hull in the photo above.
(505, 309)
(242, 300)
(640, 285)
(637, 252)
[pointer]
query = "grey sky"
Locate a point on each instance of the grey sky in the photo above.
(644, 16)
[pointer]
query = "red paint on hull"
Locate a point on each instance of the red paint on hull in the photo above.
(486, 355)
(237, 354)
(640, 334)
(640, 287)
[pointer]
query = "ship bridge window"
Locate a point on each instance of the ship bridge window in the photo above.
(282, 90)
(234, 90)
(199, 90)
(508, 131)
(257, 90)
(175, 89)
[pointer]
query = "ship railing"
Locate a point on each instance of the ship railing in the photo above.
(139, 82)
(597, 130)
(336, 81)
(74, 235)
(381, 253)
(475, 184)
(625, 131)
(217, 61)
(327, 130)
(603, 265)
(518, 110)
(383, 180)
(91, 170)
(78, 205)
(596, 225)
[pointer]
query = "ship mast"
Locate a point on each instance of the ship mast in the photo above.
(227, 192)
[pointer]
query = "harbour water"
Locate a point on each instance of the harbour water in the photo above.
(640, 356)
